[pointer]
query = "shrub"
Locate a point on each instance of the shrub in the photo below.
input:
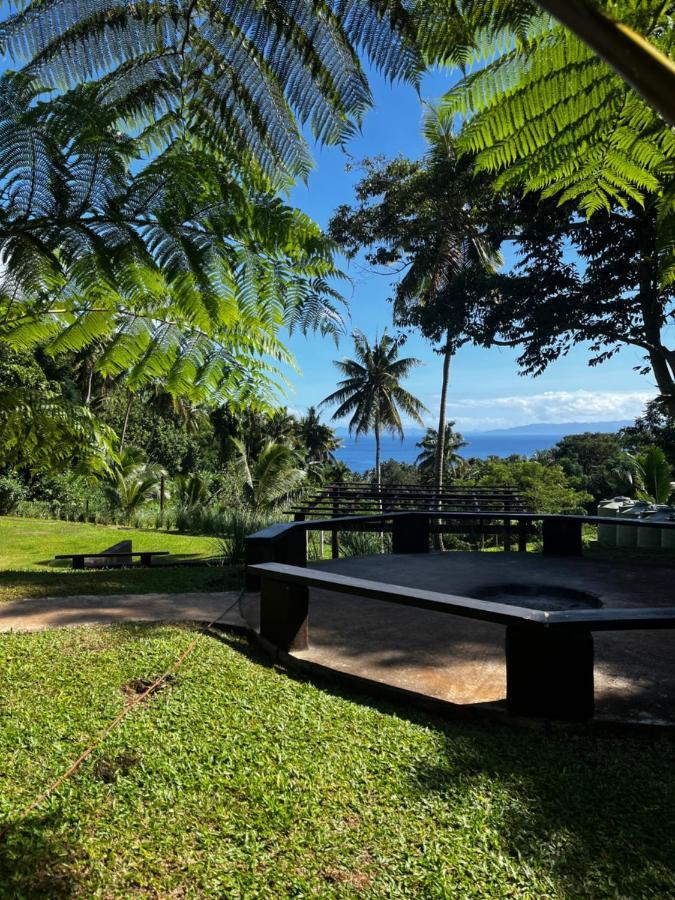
(239, 523)
(364, 543)
(12, 491)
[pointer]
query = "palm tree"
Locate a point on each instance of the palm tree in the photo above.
(372, 393)
(448, 269)
(426, 461)
(272, 478)
(131, 481)
(319, 439)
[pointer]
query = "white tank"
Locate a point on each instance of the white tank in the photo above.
(667, 535)
(626, 535)
(650, 538)
(610, 508)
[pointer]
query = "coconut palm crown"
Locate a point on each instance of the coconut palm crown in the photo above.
(371, 392)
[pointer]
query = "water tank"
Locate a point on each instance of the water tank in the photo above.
(610, 508)
(626, 535)
(650, 538)
(667, 535)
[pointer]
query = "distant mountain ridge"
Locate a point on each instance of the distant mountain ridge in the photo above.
(563, 428)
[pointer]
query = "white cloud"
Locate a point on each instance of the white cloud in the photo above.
(548, 407)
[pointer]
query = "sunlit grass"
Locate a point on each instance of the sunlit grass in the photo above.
(28, 567)
(240, 781)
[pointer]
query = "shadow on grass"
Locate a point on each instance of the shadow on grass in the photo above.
(162, 562)
(16, 585)
(595, 811)
(36, 860)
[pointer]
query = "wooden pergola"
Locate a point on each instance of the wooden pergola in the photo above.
(354, 498)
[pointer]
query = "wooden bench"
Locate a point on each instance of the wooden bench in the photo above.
(549, 655)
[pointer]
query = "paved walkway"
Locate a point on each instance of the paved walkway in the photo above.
(38, 613)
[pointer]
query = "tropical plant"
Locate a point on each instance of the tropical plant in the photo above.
(442, 227)
(655, 427)
(650, 475)
(235, 526)
(363, 543)
(191, 490)
(547, 110)
(178, 276)
(372, 394)
(592, 283)
(44, 432)
(318, 439)
(544, 487)
(589, 461)
(12, 492)
(131, 482)
(271, 479)
(426, 460)
(235, 79)
(339, 473)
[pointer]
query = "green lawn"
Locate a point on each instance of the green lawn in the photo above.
(240, 781)
(28, 569)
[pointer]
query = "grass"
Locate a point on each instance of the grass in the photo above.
(28, 568)
(240, 781)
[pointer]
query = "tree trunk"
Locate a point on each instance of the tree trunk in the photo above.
(660, 357)
(378, 478)
(378, 473)
(126, 422)
(440, 434)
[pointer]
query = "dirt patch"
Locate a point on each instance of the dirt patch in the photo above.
(109, 770)
(359, 878)
(148, 686)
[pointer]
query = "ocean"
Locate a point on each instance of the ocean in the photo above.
(359, 454)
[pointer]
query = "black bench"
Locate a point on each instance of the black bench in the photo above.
(549, 655)
(115, 559)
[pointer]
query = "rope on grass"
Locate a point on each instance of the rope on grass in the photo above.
(103, 734)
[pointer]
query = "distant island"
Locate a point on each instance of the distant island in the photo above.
(562, 428)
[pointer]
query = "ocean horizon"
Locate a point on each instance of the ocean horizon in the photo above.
(359, 453)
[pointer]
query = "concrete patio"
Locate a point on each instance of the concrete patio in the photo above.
(462, 660)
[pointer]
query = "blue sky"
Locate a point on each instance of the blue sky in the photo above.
(486, 390)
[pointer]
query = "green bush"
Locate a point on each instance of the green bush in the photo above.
(364, 543)
(237, 524)
(12, 491)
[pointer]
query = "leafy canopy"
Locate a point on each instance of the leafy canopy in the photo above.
(179, 274)
(544, 111)
(237, 79)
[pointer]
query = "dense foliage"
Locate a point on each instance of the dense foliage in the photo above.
(549, 113)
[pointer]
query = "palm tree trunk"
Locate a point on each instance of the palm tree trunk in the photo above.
(378, 477)
(126, 422)
(440, 434)
(378, 472)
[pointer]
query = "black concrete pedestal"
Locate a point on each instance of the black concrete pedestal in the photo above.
(549, 674)
(284, 614)
(410, 534)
